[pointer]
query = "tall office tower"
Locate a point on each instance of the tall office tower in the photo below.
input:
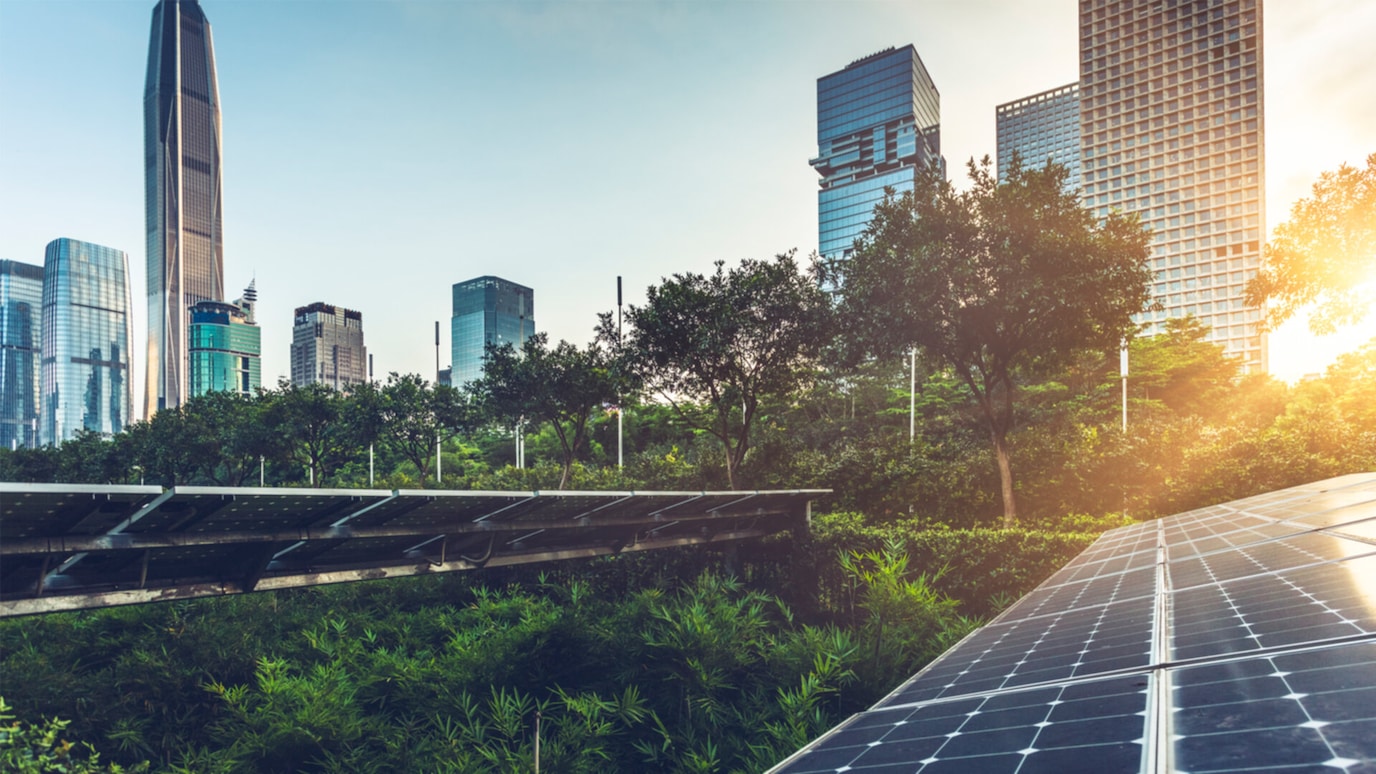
(1040, 128)
(226, 348)
(487, 310)
(878, 124)
(86, 333)
(181, 148)
(327, 347)
(21, 315)
(1171, 125)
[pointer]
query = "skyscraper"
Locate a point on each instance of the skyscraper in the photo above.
(878, 124)
(487, 310)
(327, 347)
(1040, 128)
(226, 347)
(1172, 124)
(86, 332)
(21, 314)
(181, 131)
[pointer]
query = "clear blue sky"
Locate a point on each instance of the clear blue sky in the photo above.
(378, 151)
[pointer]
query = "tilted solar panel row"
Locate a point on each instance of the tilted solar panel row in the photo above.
(1239, 637)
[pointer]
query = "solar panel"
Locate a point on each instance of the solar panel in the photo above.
(70, 546)
(1234, 638)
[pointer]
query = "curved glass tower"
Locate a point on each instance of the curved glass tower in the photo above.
(86, 333)
(181, 128)
(21, 312)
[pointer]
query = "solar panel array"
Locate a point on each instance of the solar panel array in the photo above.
(72, 546)
(1235, 638)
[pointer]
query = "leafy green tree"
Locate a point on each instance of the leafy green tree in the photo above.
(990, 280)
(1353, 378)
(229, 435)
(561, 385)
(716, 346)
(1181, 369)
(1325, 254)
(411, 417)
(309, 421)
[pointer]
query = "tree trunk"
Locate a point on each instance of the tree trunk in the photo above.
(1010, 509)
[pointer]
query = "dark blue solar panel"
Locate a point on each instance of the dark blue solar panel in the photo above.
(1248, 644)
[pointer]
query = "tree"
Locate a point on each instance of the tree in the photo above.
(562, 385)
(1181, 369)
(990, 280)
(715, 346)
(1325, 254)
(309, 417)
(412, 417)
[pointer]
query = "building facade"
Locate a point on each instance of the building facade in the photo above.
(878, 125)
(182, 200)
(21, 317)
(327, 347)
(226, 349)
(85, 365)
(487, 310)
(1172, 127)
(1040, 128)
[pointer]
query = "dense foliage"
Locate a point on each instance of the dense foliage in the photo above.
(1324, 257)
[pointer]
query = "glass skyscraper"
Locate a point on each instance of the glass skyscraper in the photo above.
(327, 347)
(487, 310)
(86, 332)
(226, 349)
(181, 129)
(1040, 128)
(21, 315)
(1172, 125)
(878, 124)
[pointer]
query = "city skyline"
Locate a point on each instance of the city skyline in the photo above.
(365, 153)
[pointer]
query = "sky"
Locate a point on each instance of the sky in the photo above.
(378, 151)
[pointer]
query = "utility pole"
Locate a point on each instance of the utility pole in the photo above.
(620, 409)
(439, 472)
(1123, 371)
(912, 395)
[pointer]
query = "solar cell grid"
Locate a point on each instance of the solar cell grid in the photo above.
(1084, 570)
(1064, 728)
(1309, 710)
(1267, 662)
(1070, 643)
(1310, 604)
(1260, 558)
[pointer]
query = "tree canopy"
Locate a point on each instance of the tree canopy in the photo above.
(715, 346)
(561, 385)
(1325, 254)
(990, 280)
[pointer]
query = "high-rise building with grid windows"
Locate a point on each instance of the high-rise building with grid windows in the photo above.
(327, 347)
(85, 364)
(1040, 128)
(878, 125)
(21, 315)
(1171, 125)
(181, 144)
(487, 310)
